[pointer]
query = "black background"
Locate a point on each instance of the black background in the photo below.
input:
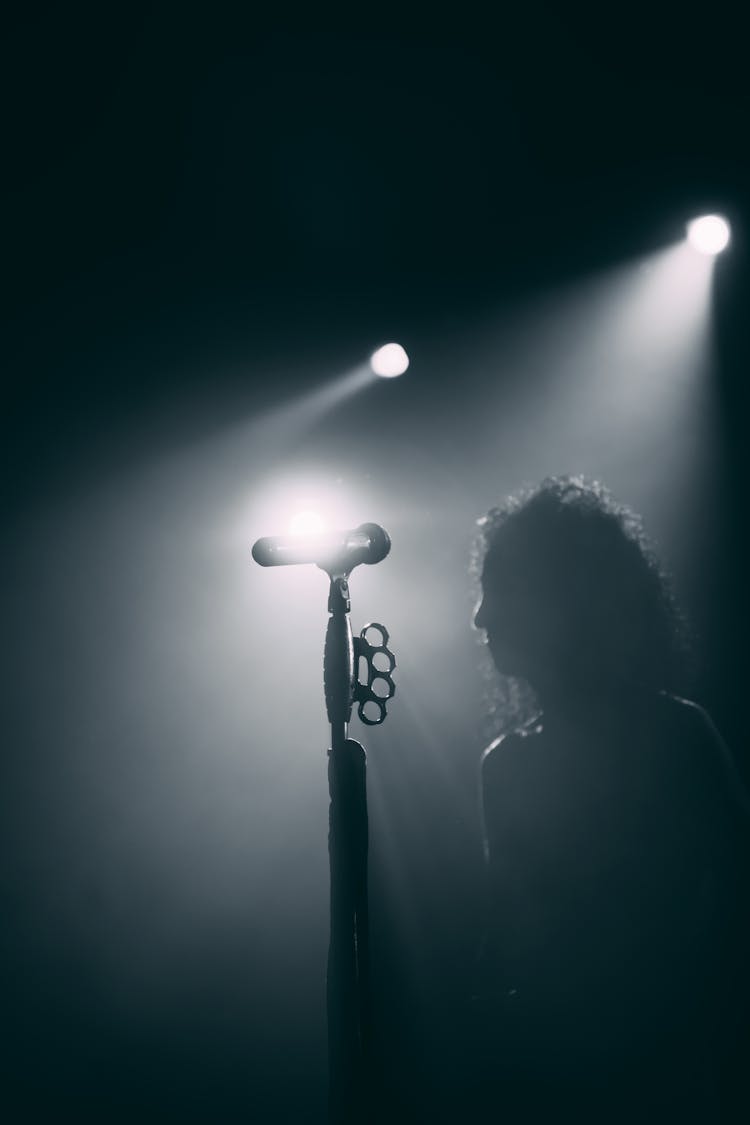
(176, 177)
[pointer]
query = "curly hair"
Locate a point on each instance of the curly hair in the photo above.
(585, 558)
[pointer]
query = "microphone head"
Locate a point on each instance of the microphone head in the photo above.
(336, 552)
(264, 551)
(379, 542)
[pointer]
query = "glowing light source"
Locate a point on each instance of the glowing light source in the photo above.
(709, 234)
(389, 361)
(307, 523)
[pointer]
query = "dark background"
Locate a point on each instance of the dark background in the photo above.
(205, 212)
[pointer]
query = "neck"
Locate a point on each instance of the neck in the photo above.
(585, 705)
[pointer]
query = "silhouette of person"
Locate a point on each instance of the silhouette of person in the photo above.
(612, 971)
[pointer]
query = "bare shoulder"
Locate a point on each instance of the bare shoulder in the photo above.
(502, 757)
(693, 734)
(685, 711)
(689, 721)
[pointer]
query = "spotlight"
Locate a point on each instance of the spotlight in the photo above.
(709, 234)
(389, 361)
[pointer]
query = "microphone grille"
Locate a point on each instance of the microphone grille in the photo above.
(380, 542)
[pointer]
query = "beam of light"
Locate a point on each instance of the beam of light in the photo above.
(603, 374)
(709, 234)
(271, 433)
(612, 378)
(210, 671)
(291, 419)
(389, 361)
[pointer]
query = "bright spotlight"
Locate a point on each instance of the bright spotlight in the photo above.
(307, 523)
(390, 360)
(709, 234)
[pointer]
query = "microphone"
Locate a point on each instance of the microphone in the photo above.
(335, 551)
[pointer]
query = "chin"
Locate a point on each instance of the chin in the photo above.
(506, 663)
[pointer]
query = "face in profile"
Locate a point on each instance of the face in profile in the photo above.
(515, 623)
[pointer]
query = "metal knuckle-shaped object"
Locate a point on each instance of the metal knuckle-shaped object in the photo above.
(377, 687)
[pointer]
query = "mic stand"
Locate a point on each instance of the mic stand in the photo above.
(348, 985)
(348, 997)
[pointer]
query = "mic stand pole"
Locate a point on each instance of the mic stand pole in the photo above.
(348, 985)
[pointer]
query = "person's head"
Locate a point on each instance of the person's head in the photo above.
(573, 599)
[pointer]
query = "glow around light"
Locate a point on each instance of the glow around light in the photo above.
(389, 361)
(306, 523)
(709, 234)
